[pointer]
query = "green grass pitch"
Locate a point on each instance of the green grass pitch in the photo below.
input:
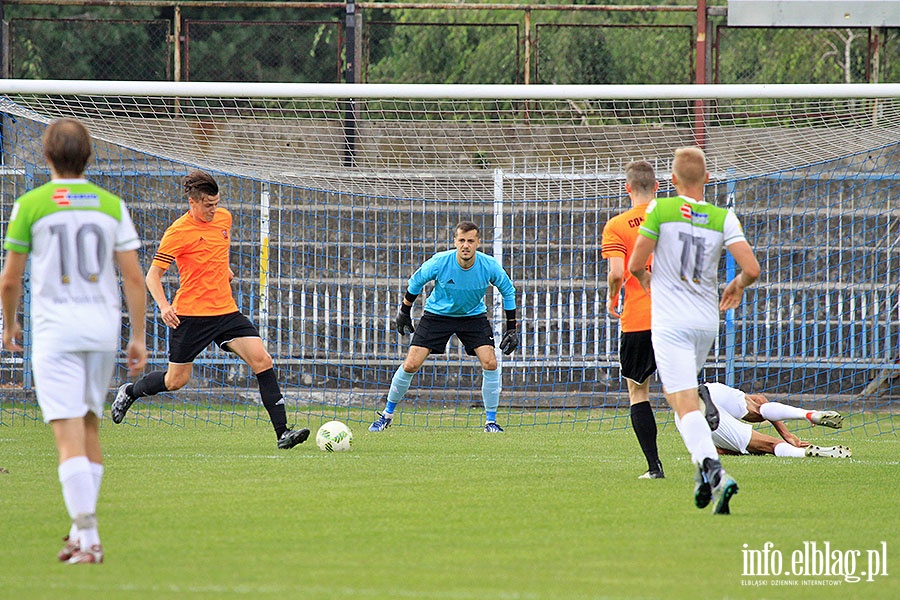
(447, 514)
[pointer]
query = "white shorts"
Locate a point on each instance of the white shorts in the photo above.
(732, 434)
(69, 384)
(680, 356)
(728, 399)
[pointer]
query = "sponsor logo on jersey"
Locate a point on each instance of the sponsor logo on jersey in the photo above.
(693, 216)
(63, 197)
(451, 282)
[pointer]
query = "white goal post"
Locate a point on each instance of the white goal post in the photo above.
(426, 91)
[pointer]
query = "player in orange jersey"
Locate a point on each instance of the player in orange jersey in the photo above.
(204, 309)
(635, 349)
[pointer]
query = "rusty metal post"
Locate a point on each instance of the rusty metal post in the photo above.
(350, 76)
(700, 75)
(527, 76)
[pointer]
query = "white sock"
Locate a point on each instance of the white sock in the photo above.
(776, 411)
(785, 449)
(80, 496)
(697, 437)
(97, 473)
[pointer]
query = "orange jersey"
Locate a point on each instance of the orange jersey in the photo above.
(200, 250)
(619, 235)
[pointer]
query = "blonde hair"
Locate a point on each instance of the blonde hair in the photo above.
(689, 166)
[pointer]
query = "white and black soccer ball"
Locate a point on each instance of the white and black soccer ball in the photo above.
(334, 436)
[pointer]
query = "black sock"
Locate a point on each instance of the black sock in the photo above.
(272, 400)
(149, 385)
(644, 424)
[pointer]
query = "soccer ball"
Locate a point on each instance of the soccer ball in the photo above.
(334, 436)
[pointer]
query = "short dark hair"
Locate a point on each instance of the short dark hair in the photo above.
(199, 183)
(640, 176)
(465, 227)
(67, 147)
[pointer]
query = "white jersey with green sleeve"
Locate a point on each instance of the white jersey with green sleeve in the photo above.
(690, 237)
(71, 229)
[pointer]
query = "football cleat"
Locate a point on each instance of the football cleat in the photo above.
(292, 437)
(702, 489)
(121, 404)
(381, 423)
(828, 451)
(68, 550)
(94, 555)
(656, 473)
(826, 418)
(491, 427)
(708, 407)
(722, 493)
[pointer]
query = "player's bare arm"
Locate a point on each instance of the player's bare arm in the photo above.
(746, 260)
(614, 281)
(136, 301)
(11, 288)
(787, 436)
(637, 264)
(155, 286)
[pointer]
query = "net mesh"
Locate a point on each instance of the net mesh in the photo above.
(336, 202)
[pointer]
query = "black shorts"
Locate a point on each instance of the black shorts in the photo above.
(194, 334)
(636, 356)
(434, 331)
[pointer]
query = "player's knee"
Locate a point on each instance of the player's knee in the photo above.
(258, 359)
(411, 367)
(262, 362)
(176, 382)
(489, 364)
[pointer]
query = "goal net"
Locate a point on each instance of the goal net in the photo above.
(340, 192)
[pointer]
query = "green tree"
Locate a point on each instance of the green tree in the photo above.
(432, 46)
(789, 55)
(252, 44)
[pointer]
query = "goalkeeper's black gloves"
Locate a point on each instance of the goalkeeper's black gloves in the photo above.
(403, 322)
(510, 340)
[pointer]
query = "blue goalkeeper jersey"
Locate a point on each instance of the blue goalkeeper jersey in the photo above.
(460, 292)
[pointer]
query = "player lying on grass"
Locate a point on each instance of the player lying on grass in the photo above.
(737, 410)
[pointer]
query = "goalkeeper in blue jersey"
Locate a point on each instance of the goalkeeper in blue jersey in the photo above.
(455, 306)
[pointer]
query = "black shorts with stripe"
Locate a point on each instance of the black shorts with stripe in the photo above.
(636, 358)
(194, 334)
(434, 331)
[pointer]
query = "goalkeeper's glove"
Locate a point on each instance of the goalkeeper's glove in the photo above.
(510, 340)
(403, 322)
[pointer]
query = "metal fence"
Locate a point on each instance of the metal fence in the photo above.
(428, 43)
